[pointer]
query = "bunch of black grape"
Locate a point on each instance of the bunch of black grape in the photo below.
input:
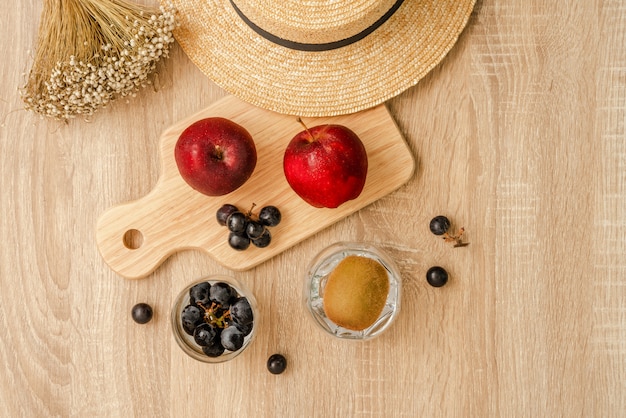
(217, 317)
(244, 228)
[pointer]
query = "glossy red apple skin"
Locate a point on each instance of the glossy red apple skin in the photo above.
(326, 165)
(215, 156)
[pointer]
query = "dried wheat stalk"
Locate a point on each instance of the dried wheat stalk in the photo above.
(91, 52)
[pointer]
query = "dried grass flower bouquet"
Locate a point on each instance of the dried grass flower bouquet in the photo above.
(91, 52)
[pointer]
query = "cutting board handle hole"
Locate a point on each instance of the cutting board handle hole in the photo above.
(133, 239)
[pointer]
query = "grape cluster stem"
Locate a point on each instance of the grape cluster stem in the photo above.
(456, 239)
(211, 318)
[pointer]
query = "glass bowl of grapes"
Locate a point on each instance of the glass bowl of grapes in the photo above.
(214, 319)
(352, 290)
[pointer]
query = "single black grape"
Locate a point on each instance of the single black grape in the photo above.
(439, 225)
(190, 317)
(206, 334)
(264, 240)
(222, 294)
(245, 329)
(269, 216)
(241, 312)
(276, 364)
(237, 222)
(232, 338)
(224, 212)
(254, 229)
(199, 294)
(213, 350)
(141, 313)
(437, 276)
(238, 241)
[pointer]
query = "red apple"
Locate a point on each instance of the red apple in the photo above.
(326, 165)
(215, 156)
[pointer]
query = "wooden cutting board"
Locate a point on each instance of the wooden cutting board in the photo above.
(134, 238)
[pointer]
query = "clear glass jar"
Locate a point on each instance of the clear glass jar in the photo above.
(186, 341)
(317, 275)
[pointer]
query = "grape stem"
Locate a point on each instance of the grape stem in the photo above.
(249, 214)
(211, 318)
(457, 239)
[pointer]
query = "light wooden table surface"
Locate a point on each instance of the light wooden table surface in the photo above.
(519, 135)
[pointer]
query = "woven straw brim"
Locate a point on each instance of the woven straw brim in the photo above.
(340, 81)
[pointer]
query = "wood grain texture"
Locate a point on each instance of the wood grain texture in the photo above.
(135, 237)
(519, 135)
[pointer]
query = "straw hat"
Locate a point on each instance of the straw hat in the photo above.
(318, 57)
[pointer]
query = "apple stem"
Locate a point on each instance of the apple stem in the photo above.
(219, 153)
(306, 129)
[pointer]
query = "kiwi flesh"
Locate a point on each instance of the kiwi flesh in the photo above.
(356, 292)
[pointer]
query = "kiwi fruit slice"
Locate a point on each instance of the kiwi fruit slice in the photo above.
(355, 292)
